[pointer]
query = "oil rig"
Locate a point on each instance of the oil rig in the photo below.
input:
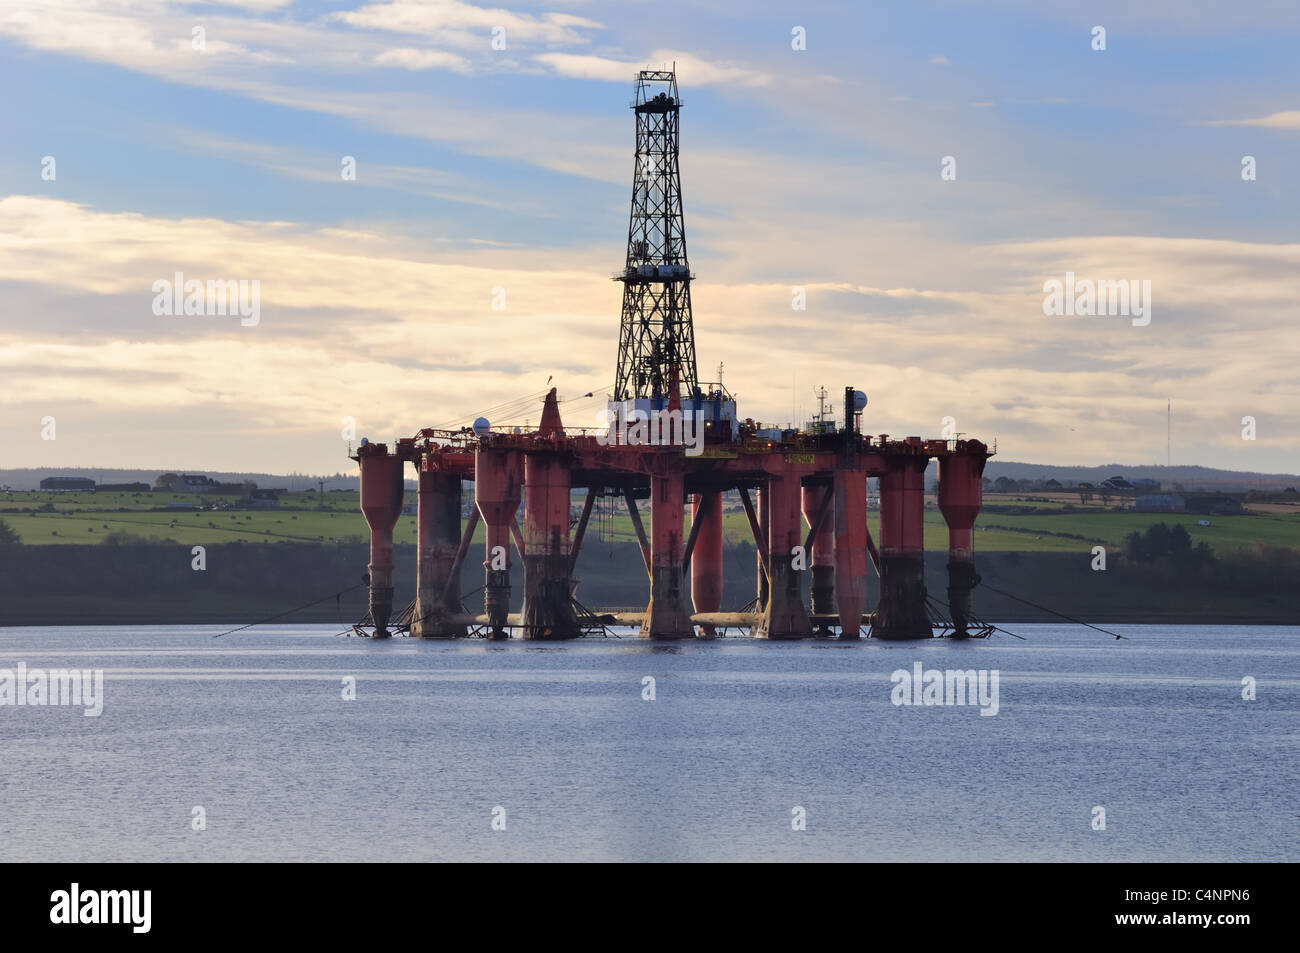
(673, 441)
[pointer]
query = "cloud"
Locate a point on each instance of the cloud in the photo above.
(430, 17)
(360, 321)
(1154, 19)
(259, 5)
(575, 145)
(914, 289)
(316, 166)
(413, 59)
(154, 36)
(1279, 120)
(691, 69)
(940, 61)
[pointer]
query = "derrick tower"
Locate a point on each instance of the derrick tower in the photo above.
(656, 338)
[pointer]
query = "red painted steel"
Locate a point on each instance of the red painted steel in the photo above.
(821, 558)
(961, 494)
(437, 540)
(794, 477)
(548, 597)
(763, 503)
(706, 558)
(850, 550)
(784, 616)
(551, 425)
(902, 506)
(823, 551)
(381, 502)
(498, 490)
(902, 612)
(666, 616)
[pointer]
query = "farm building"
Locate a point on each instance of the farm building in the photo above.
(67, 483)
(1160, 503)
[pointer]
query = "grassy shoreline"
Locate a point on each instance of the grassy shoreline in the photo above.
(1008, 522)
(153, 584)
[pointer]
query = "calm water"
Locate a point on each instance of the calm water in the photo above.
(253, 728)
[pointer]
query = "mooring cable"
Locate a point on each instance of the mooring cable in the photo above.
(999, 628)
(979, 622)
(281, 615)
(983, 585)
(1052, 611)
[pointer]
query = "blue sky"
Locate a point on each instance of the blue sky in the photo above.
(481, 168)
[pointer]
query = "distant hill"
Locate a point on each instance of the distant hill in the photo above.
(1190, 477)
(30, 478)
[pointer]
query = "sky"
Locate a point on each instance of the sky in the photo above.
(468, 260)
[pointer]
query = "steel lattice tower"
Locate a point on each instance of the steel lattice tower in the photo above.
(657, 336)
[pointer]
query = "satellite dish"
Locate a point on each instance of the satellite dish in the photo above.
(365, 441)
(481, 426)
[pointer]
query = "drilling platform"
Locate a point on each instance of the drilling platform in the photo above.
(671, 440)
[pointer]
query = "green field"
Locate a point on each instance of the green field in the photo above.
(1108, 528)
(89, 517)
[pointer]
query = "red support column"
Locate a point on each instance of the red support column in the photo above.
(784, 617)
(438, 538)
(381, 502)
(548, 595)
(666, 616)
(706, 557)
(763, 504)
(498, 483)
(902, 612)
(821, 559)
(850, 550)
(961, 494)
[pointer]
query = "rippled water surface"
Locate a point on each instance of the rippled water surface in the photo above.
(253, 728)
